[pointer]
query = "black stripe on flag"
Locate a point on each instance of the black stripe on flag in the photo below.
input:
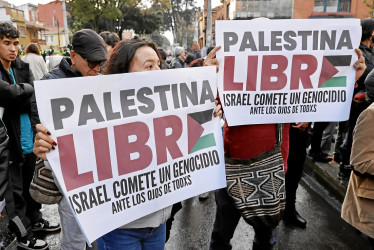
(203, 116)
(339, 60)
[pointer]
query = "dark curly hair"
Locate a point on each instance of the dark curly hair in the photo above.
(123, 54)
(110, 38)
(8, 30)
(367, 26)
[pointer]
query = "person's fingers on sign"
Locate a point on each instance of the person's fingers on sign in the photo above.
(43, 142)
(211, 59)
(218, 110)
(359, 65)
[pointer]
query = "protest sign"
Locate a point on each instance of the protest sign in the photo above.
(132, 144)
(279, 71)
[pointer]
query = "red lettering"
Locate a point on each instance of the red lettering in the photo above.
(167, 142)
(228, 75)
(124, 147)
(69, 167)
(268, 72)
(298, 75)
(252, 73)
(101, 144)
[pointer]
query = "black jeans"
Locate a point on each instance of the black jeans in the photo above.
(356, 110)
(295, 164)
(4, 158)
(227, 218)
(25, 207)
(318, 129)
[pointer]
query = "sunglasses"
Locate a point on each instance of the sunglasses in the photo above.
(94, 64)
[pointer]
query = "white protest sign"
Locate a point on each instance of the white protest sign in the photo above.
(132, 144)
(280, 71)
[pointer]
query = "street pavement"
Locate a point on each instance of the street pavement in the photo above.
(193, 225)
(325, 228)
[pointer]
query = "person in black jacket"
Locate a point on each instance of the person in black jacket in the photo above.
(20, 117)
(359, 103)
(4, 157)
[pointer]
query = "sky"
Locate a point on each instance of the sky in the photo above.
(199, 3)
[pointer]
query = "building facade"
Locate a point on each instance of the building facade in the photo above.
(52, 17)
(34, 28)
(280, 9)
(330, 8)
(17, 18)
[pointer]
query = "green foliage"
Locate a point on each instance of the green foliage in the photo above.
(370, 4)
(179, 19)
(141, 20)
(117, 15)
(92, 11)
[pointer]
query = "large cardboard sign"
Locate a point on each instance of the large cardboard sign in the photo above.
(132, 144)
(278, 71)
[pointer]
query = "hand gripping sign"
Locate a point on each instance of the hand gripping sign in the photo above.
(278, 71)
(132, 144)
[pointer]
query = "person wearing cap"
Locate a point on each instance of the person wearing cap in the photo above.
(87, 54)
(180, 55)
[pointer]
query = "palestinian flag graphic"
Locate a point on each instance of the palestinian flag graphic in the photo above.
(330, 77)
(197, 139)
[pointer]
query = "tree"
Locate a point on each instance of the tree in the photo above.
(92, 11)
(116, 15)
(142, 20)
(370, 4)
(159, 39)
(178, 18)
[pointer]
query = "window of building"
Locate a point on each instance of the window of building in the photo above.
(50, 39)
(332, 5)
(248, 9)
(22, 31)
(33, 15)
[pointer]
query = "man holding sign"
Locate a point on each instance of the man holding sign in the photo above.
(293, 73)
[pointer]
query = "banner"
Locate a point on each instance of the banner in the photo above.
(280, 71)
(132, 144)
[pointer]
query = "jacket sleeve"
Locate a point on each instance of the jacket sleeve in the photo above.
(14, 94)
(43, 66)
(4, 157)
(34, 116)
(369, 85)
(362, 155)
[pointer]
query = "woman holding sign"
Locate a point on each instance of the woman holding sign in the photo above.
(149, 231)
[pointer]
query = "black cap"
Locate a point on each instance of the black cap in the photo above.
(89, 45)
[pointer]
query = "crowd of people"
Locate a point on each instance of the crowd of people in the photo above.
(23, 139)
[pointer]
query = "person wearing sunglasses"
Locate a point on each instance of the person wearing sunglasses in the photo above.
(88, 54)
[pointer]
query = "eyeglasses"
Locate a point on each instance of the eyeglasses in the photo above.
(94, 64)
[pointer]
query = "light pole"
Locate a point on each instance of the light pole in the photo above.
(208, 24)
(65, 23)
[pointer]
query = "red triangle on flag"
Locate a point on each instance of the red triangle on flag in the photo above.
(195, 130)
(328, 71)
